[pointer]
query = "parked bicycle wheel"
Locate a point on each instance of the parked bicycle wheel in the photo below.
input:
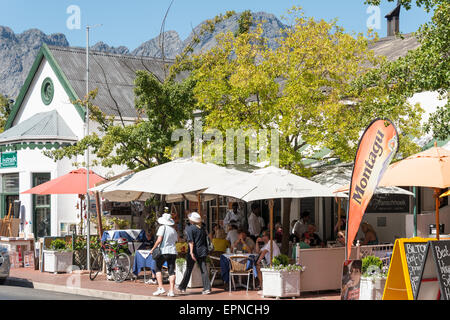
(96, 266)
(121, 267)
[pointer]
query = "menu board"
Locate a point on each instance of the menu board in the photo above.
(415, 253)
(441, 254)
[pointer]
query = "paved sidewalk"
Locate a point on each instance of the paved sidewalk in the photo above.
(76, 283)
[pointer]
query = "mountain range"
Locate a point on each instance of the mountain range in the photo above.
(18, 51)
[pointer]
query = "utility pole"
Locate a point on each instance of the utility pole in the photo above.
(88, 215)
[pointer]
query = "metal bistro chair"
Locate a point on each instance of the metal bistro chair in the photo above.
(238, 266)
(214, 267)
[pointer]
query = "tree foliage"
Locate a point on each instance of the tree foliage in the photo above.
(5, 110)
(306, 89)
(162, 108)
(426, 68)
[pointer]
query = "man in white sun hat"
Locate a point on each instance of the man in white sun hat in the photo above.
(167, 239)
(196, 235)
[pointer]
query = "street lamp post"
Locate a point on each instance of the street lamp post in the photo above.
(88, 215)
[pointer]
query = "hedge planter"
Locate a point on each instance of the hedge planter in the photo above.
(280, 283)
(57, 261)
(371, 288)
(196, 275)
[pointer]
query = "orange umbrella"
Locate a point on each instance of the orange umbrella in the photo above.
(430, 168)
(74, 182)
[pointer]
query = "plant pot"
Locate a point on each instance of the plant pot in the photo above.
(371, 288)
(196, 276)
(280, 284)
(57, 261)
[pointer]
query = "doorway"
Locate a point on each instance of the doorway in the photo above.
(41, 208)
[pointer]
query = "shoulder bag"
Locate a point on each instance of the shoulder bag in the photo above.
(157, 251)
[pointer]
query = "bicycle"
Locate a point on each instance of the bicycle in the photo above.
(118, 264)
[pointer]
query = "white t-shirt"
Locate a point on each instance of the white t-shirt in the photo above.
(232, 236)
(254, 225)
(170, 238)
(276, 251)
(300, 228)
(230, 216)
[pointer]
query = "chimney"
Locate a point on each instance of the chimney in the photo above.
(393, 21)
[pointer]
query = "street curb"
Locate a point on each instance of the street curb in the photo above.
(108, 295)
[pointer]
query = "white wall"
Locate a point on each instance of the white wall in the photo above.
(33, 104)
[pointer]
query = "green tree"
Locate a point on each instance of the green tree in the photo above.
(5, 110)
(306, 89)
(426, 68)
(162, 108)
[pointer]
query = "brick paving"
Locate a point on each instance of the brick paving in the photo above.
(142, 290)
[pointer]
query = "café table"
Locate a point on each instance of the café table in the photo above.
(129, 234)
(225, 264)
(144, 259)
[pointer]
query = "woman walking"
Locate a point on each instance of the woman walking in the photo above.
(196, 236)
(167, 239)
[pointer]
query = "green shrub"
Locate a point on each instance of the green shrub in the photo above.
(371, 263)
(59, 245)
(281, 259)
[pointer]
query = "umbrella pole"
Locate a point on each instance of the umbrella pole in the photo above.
(199, 201)
(436, 194)
(339, 214)
(217, 210)
(271, 230)
(99, 215)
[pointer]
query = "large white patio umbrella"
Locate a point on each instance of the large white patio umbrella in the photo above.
(270, 183)
(178, 180)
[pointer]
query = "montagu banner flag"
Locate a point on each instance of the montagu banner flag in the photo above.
(377, 147)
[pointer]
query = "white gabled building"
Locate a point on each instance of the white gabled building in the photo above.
(44, 117)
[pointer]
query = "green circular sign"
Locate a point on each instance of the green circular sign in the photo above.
(47, 91)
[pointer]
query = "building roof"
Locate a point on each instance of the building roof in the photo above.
(42, 126)
(395, 47)
(112, 74)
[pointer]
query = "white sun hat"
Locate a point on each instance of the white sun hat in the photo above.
(195, 217)
(166, 219)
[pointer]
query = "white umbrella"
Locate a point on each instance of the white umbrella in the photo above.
(270, 183)
(178, 179)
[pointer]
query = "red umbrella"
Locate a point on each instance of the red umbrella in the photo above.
(75, 182)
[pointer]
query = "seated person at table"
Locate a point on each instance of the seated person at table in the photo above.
(340, 240)
(313, 237)
(243, 243)
(263, 249)
(214, 228)
(219, 242)
(304, 243)
(278, 232)
(370, 236)
(232, 234)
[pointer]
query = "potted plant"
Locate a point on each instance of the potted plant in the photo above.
(59, 257)
(373, 279)
(282, 279)
(196, 275)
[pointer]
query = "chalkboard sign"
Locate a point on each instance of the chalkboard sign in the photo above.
(388, 203)
(441, 255)
(415, 253)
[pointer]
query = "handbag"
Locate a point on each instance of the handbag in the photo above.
(157, 251)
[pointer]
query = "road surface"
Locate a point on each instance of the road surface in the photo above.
(21, 293)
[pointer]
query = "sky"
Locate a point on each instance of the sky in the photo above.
(133, 22)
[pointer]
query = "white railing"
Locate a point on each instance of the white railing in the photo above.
(382, 251)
